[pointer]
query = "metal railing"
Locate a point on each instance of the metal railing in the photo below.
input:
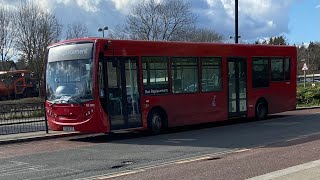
(22, 118)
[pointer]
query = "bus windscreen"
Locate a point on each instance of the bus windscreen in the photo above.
(69, 74)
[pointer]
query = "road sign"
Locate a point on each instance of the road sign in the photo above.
(305, 67)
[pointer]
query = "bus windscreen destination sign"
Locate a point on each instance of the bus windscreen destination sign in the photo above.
(71, 52)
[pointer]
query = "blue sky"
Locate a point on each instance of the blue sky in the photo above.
(304, 24)
(298, 20)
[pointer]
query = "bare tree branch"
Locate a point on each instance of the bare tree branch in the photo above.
(202, 35)
(165, 20)
(76, 30)
(7, 34)
(36, 29)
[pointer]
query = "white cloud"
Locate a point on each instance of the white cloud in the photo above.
(270, 24)
(256, 18)
(318, 6)
(86, 5)
(6, 5)
(89, 5)
(124, 5)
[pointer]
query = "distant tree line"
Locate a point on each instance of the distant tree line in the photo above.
(277, 40)
(311, 56)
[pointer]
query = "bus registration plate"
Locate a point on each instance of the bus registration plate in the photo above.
(68, 128)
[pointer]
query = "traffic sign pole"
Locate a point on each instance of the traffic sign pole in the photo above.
(304, 83)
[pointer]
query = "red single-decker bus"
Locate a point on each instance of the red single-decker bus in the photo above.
(102, 85)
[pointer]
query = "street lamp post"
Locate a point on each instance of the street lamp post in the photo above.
(236, 39)
(236, 22)
(103, 29)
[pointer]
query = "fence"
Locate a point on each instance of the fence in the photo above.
(21, 118)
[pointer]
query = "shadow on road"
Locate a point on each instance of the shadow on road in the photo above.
(207, 134)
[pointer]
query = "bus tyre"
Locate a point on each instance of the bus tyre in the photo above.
(261, 110)
(155, 121)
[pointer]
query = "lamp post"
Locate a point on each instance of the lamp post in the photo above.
(102, 30)
(236, 39)
(236, 22)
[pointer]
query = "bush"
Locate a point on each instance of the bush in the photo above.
(308, 96)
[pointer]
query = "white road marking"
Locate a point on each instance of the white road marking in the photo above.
(15, 167)
(145, 168)
(120, 174)
(11, 169)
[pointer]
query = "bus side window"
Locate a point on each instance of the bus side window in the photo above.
(277, 69)
(211, 79)
(155, 75)
(260, 72)
(184, 74)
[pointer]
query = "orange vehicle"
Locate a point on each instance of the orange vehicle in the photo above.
(16, 84)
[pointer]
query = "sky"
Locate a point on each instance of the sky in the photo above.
(297, 20)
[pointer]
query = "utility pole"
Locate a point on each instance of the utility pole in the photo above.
(236, 23)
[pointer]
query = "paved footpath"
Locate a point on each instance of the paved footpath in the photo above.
(310, 170)
(33, 136)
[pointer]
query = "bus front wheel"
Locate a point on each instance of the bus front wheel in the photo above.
(261, 110)
(155, 122)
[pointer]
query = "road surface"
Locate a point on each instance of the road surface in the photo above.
(232, 147)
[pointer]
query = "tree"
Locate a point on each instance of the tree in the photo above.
(311, 56)
(36, 29)
(76, 30)
(164, 20)
(167, 20)
(202, 35)
(7, 35)
(277, 40)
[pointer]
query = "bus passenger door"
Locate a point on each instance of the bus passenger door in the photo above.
(237, 87)
(123, 93)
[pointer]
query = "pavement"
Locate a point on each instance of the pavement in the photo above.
(307, 171)
(33, 136)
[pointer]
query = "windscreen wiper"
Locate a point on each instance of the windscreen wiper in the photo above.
(75, 100)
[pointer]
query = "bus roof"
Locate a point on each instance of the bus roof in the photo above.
(95, 39)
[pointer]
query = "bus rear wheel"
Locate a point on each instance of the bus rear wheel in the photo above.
(155, 122)
(261, 110)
